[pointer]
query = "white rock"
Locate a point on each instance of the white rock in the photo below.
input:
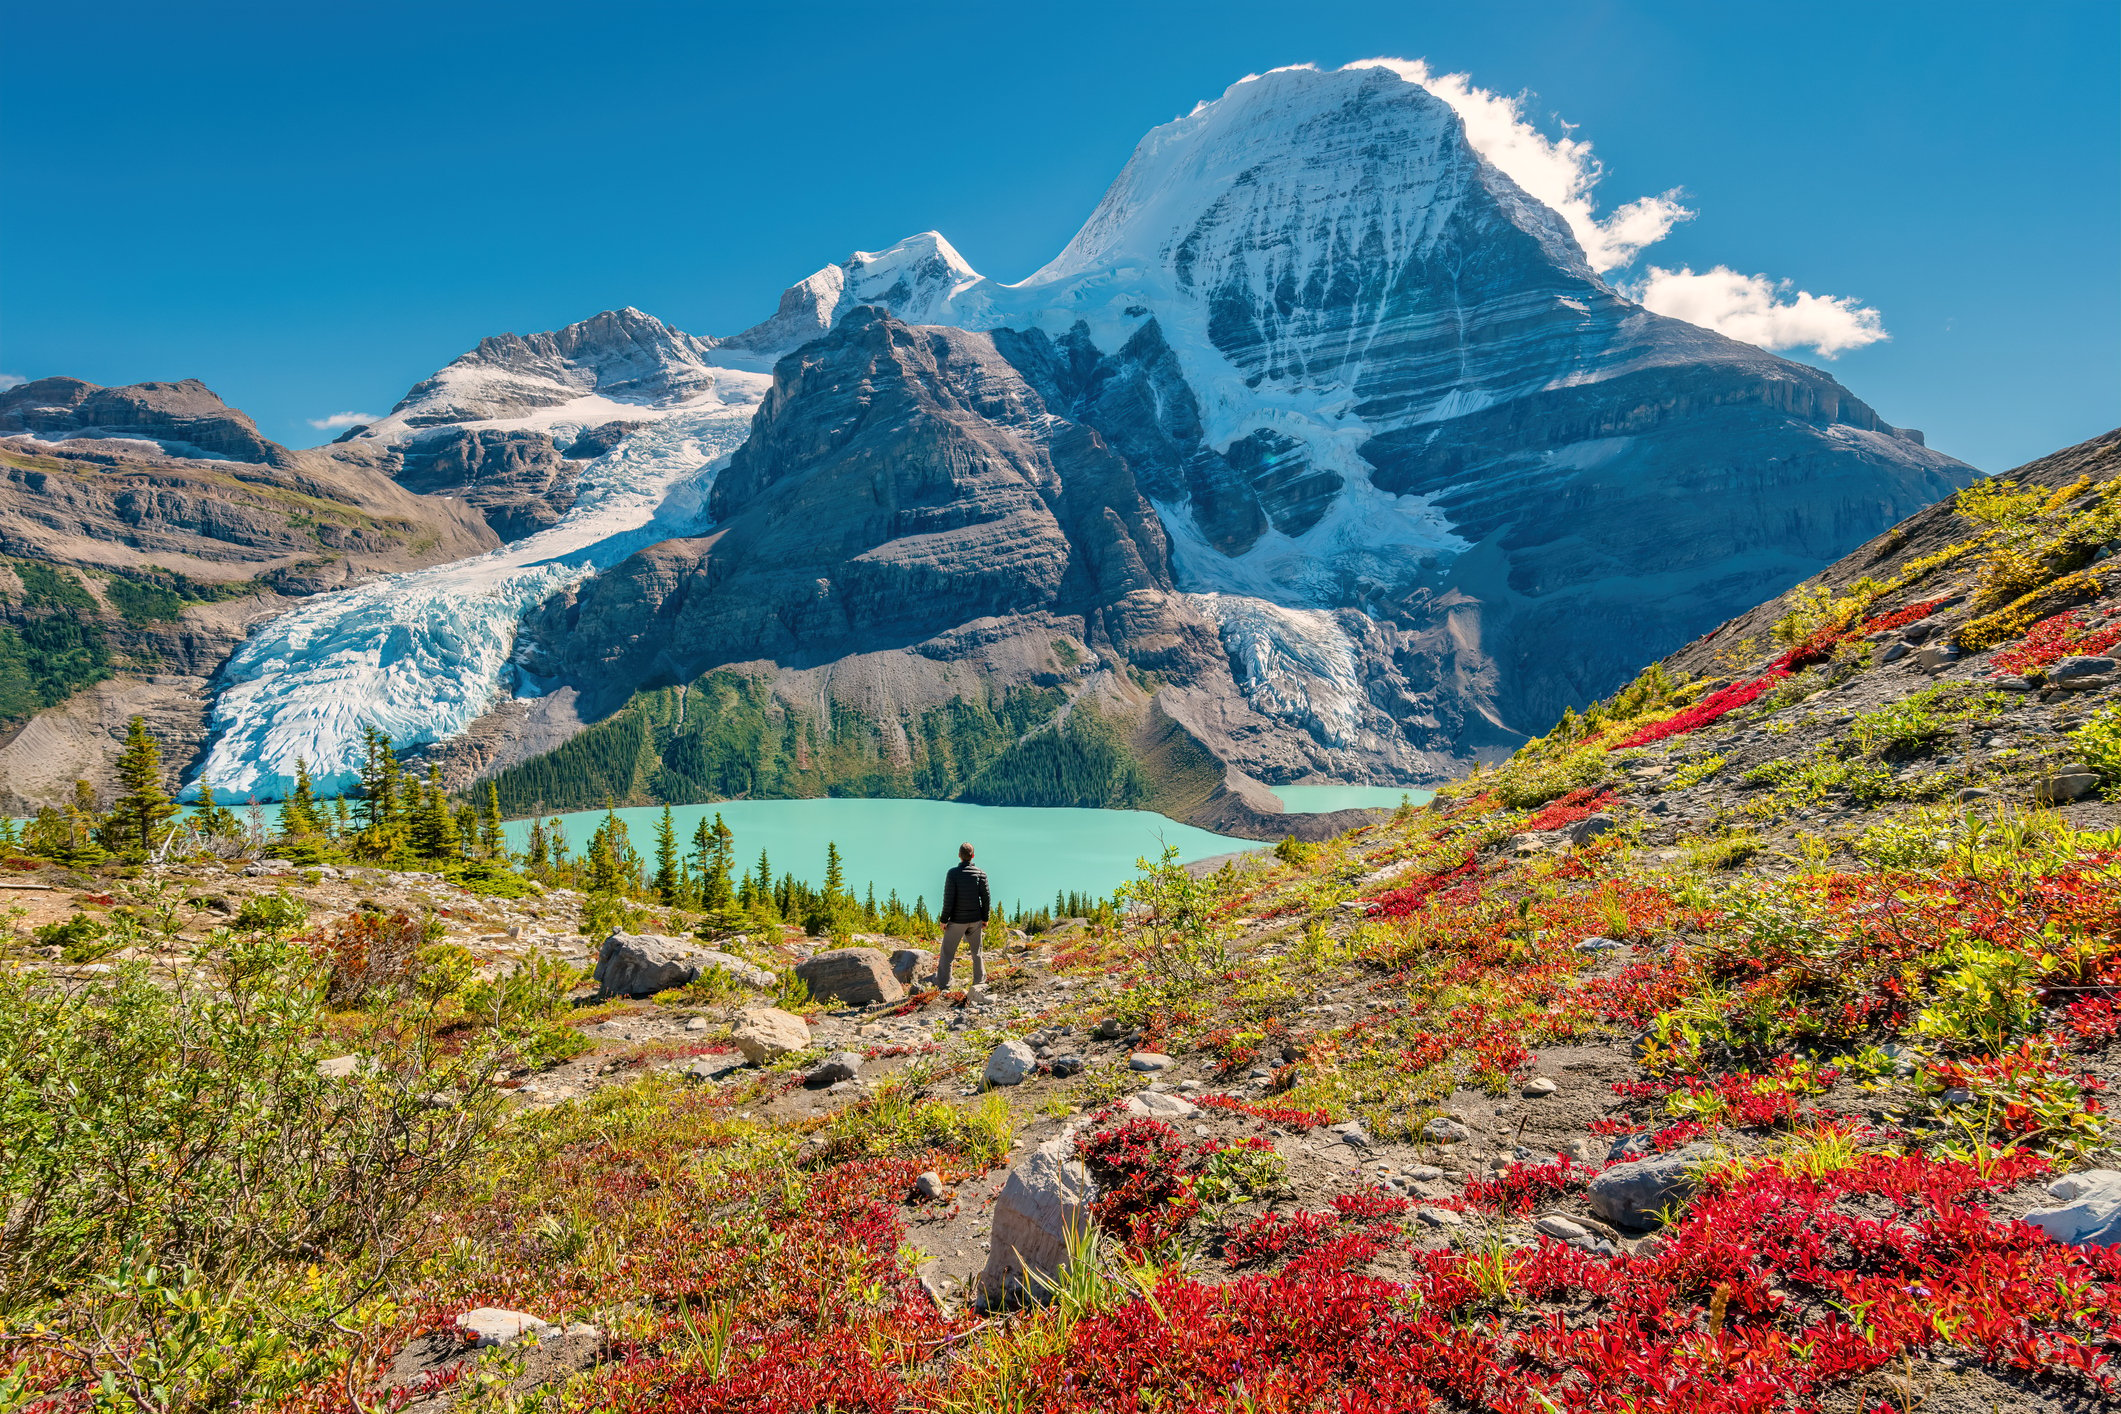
(496, 1325)
(1156, 1106)
(1539, 1089)
(1046, 1198)
(2091, 1215)
(1009, 1063)
(769, 1033)
(342, 1067)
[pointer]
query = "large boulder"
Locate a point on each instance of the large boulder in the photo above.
(1046, 1199)
(2091, 1211)
(857, 976)
(768, 1034)
(642, 964)
(1631, 1195)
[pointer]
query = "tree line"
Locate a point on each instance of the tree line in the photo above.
(399, 818)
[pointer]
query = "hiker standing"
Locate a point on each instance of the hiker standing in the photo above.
(964, 915)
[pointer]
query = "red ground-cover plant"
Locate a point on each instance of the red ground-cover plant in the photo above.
(1708, 709)
(1282, 1116)
(1578, 804)
(2061, 636)
(1356, 1230)
(1400, 902)
(1898, 618)
(1144, 1192)
(2093, 1022)
(1520, 1188)
(1772, 1292)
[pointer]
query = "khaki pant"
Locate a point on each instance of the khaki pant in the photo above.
(951, 933)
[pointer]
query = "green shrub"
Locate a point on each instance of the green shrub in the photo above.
(276, 913)
(80, 939)
(185, 1126)
(2098, 743)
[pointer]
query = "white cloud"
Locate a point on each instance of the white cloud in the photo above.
(1753, 308)
(11, 380)
(1563, 174)
(341, 419)
(1560, 173)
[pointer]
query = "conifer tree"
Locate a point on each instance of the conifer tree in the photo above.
(299, 815)
(490, 824)
(143, 803)
(84, 819)
(537, 849)
(718, 895)
(433, 828)
(666, 860)
(381, 794)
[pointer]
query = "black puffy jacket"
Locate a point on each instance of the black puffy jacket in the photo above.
(964, 895)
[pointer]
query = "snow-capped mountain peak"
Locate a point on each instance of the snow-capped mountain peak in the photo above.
(920, 279)
(1350, 154)
(622, 355)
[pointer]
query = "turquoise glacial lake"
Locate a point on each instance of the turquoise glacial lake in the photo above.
(1029, 854)
(1320, 800)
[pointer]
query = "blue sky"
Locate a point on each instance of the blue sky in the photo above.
(311, 207)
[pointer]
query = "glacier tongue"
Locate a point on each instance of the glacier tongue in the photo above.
(421, 656)
(1296, 664)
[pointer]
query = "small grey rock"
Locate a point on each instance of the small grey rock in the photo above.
(1563, 1229)
(1894, 652)
(1539, 1089)
(1969, 794)
(929, 1185)
(1446, 1130)
(1590, 828)
(1598, 945)
(1352, 1133)
(1148, 1061)
(698, 1023)
(840, 1065)
(1065, 1066)
(1631, 1194)
(2080, 667)
(2091, 1211)
(1439, 1217)
(1153, 1105)
(2064, 787)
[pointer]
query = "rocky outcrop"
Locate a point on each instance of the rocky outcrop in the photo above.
(184, 418)
(515, 477)
(899, 484)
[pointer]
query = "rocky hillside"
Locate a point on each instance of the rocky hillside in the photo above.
(1745, 1042)
(144, 529)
